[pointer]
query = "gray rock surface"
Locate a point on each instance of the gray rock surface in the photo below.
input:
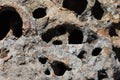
(60, 40)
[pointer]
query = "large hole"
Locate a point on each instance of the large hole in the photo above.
(61, 29)
(48, 35)
(96, 51)
(57, 31)
(78, 6)
(39, 13)
(10, 19)
(97, 10)
(76, 35)
(117, 52)
(59, 68)
(102, 74)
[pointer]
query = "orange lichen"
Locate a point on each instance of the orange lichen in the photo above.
(103, 32)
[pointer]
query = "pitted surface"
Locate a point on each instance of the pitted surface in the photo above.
(60, 40)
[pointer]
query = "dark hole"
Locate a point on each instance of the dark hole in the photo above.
(57, 42)
(112, 29)
(82, 54)
(71, 78)
(91, 79)
(116, 25)
(42, 59)
(97, 10)
(59, 68)
(96, 51)
(39, 13)
(102, 74)
(10, 19)
(91, 38)
(76, 37)
(57, 31)
(118, 6)
(61, 30)
(47, 36)
(112, 32)
(47, 72)
(117, 52)
(78, 6)
(116, 75)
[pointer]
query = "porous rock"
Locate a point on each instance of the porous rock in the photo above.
(59, 40)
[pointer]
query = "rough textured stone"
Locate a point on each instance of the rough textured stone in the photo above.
(59, 40)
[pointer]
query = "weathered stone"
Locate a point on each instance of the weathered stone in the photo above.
(59, 40)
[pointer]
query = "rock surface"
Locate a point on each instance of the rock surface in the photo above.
(60, 40)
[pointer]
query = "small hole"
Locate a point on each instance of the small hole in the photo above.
(118, 6)
(43, 60)
(92, 36)
(117, 52)
(102, 74)
(76, 37)
(59, 68)
(91, 79)
(116, 25)
(82, 54)
(97, 10)
(47, 72)
(112, 32)
(78, 6)
(10, 19)
(57, 42)
(96, 51)
(47, 36)
(112, 29)
(39, 13)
